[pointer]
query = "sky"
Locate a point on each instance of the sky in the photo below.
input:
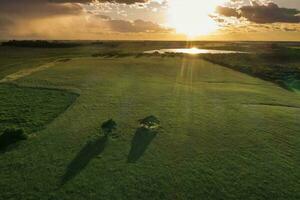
(150, 19)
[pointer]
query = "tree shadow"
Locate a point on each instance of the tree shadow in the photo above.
(10, 139)
(139, 144)
(91, 150)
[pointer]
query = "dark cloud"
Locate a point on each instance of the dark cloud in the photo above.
(36, 8)
(16, 12)
(125, 1)
(25, 17)
(267, 13)
(70, 1)
(104, 1)
(228, 12)
(64, 18)
(290, 29)
(5, 23)
(40, 8)
(104, 17)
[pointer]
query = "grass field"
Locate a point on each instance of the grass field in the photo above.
(31, 108)
(224, 134)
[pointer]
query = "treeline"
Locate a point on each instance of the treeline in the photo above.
(280, 68)
(109, 44)
(39, 44)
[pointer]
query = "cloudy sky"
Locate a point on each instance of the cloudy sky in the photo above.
(150, 19)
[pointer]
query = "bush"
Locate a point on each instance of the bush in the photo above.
(150, 122)
(11, 136)
(108, 126)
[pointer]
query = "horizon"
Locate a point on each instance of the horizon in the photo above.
(145, 40)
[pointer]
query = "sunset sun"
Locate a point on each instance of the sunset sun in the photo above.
(191, 17)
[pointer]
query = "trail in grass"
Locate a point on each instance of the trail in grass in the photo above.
(273, 105)
(27, 72)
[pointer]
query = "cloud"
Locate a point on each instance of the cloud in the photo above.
(37, 18)
(262, 13)
(5, 22)
(83, 25)
(101, 1)
(137, 26)
(40, 8)
(125, 26)
(228, 12)
(94, 19)
(36, 8)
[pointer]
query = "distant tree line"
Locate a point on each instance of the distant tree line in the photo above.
(39, 44)
(279, 67)
(109, 44)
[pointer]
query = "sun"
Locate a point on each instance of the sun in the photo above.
(191, 17)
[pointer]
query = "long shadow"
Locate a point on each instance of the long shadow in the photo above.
(7, 143)
(139, 144)
(82, 159)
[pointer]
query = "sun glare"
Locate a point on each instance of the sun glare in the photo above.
(191, 17)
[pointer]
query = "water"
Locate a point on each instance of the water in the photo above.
(192, 51)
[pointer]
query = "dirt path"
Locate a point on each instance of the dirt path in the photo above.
(27, 72)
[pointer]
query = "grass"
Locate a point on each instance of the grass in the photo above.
(224, 135)
(31, 108)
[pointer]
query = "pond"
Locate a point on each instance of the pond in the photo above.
(192, 51)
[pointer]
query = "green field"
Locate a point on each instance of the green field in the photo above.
(31, 108)
(224, 134)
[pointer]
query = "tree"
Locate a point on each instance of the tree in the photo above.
(108, 127)
(150, 122)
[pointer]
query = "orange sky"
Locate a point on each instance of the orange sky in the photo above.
(150, 20)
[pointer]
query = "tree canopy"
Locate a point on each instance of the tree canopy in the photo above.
(150, 122)
(109, 126)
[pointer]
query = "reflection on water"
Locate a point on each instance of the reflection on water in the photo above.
(192, 51)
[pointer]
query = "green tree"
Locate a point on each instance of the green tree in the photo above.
(108, 127)
(150, 122)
